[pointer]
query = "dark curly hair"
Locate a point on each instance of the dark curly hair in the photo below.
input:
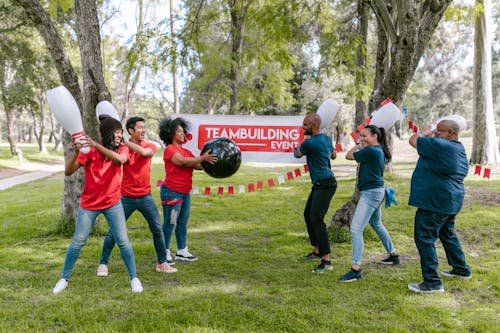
(168, 126)
(381, 139)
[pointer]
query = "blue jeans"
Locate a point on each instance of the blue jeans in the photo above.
(147, 207)
(429, 226)
(176, 209)
(84, 221)
(316, 207)
(368, 211)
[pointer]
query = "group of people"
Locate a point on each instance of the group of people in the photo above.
(117, 183)
(437, 190)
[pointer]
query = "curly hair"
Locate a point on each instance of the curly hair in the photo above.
(168, 126)
(381, 139)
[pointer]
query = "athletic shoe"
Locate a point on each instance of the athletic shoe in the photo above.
(325, 265)
(102, 270)
(312, 256)
(60, 286)
(453, 273)
(136, 285)
(184, 255)
(170, 260)
(390, 260)
(351, 276)
(165, 268)
(422, 288)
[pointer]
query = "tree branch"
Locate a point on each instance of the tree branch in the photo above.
(384, 18)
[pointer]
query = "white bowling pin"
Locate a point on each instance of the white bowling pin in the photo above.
(386, 115)
(106, 108)
(64, 108)
(327, 112)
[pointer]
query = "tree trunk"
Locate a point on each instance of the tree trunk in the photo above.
(484, 142)
(94, 86)
(238, 16)
(360, 106)
(173, 53)
(404, 29)
(72, 184)
(12, 136)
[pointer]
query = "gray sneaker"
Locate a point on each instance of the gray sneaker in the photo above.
(422, 288)
(453, 273)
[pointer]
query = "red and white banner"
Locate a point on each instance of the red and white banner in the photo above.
(268, 139)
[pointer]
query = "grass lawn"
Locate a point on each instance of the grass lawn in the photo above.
(250, 276)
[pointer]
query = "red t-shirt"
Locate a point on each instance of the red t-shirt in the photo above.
(102, 180)
(176, 178)
(136, 180)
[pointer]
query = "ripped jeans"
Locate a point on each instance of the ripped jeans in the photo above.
(176, 208)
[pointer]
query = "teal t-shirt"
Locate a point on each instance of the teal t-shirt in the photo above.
(371, 167)
(437, 182)
(318, 150)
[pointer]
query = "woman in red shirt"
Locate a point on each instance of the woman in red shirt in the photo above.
(101, 194)
(174, 192)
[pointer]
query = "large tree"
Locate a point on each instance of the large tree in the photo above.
(484, 142)
(94, 87)
(404, 29)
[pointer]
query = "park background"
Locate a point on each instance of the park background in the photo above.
(291, 56)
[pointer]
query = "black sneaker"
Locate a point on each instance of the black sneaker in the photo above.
(312, 256)
(422, 288)
(453, 273)
(325, 265)
(351, 276)
(390, 260)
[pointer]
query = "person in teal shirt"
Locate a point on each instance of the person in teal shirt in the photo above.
(318, 150)
(437, 190)
(371, 153)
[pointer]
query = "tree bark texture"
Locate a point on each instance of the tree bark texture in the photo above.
(484, 141)
(173, 54)
(404, 29)
(360, 106)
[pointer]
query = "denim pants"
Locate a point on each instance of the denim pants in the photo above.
(316, 207)
(147, 207)
(176, 209)
(429, 226)
(368, 211)
(84, 221)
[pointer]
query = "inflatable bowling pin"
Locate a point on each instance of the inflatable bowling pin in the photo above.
(386, 115)
(462, 123)
(327, 112)
(105, 108)
(64, 108)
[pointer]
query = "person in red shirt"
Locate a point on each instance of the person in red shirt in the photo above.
(101, 194)
(136, 195)
(174, 192)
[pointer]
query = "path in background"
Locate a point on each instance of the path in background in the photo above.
(28, 172)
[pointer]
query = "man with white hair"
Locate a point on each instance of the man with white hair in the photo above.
(437, 190)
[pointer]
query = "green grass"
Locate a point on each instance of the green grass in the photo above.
(250, 276)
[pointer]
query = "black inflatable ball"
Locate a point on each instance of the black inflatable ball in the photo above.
(228, 157)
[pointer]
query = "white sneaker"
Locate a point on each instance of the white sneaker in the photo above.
(184, 255)
(170, 260)
(60, 286)
(102, 270)
(136, 285)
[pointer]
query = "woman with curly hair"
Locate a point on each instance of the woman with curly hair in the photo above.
(174, 192)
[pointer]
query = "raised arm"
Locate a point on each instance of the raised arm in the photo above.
(193, 162)
(146, 152)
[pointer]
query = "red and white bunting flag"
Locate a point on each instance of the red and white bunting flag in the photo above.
(486, 173)
(477, 170)
(207, 191)
(260, 185)
(159, 183)
(281, 179)
(297, 172)
(230, 189)
(410, 125)
(196, 190)
(367, 121)
(306, 168)
(354, 136)
(241, 188)
(289, 175)
(338, 147)
(220, 190)
(251, 187)
(359, 128)
(270, 182)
